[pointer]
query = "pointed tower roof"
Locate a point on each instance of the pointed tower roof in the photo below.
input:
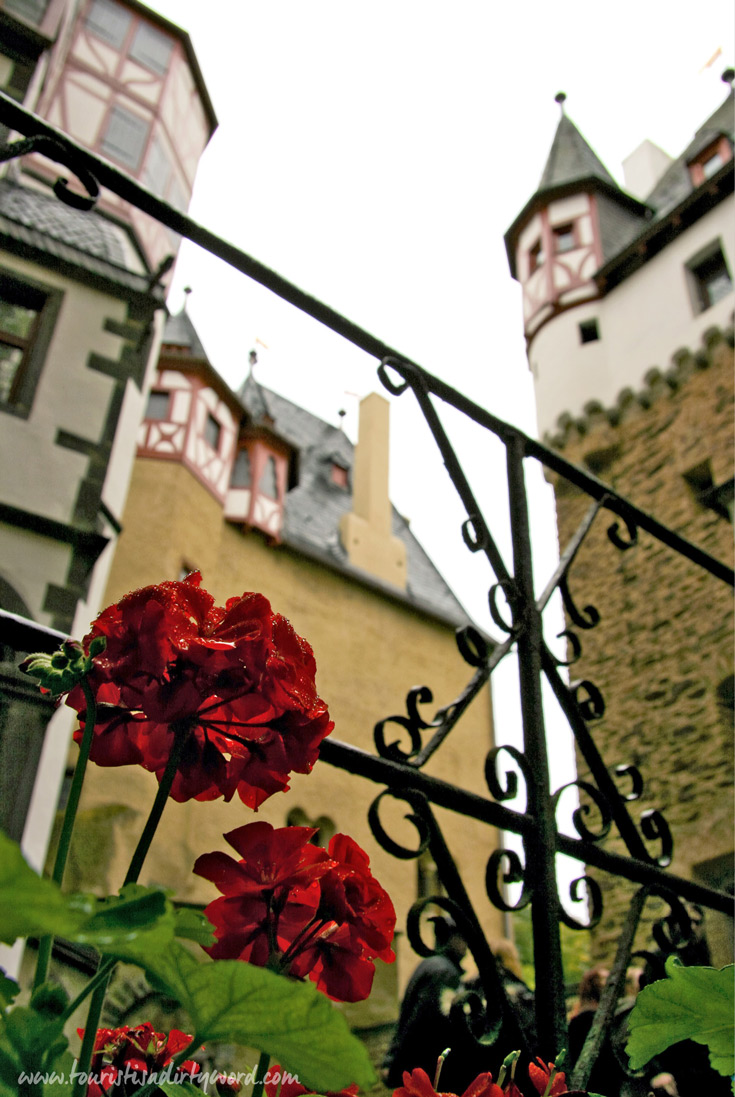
(180, 334)
(572, 166)
(571, 159)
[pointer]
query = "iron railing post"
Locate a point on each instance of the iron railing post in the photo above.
(540, 843)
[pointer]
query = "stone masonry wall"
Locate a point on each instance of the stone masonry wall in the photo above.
(662, 654)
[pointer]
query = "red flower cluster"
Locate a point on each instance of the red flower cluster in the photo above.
(417, 1084)
(128, 1055)
(236, 681)
(278, 1082)
(296, 908)
(541, 1074)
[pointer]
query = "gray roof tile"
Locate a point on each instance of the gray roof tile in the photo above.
(571, 158)
(315, 506)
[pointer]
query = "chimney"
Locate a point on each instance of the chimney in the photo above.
(644, 167)
(366, 530)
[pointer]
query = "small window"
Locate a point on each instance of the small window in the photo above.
(241, 470)
(711, 279)
(21, 307)
(340, 475)
(535, 257)
(212, 432)
(268, 481)
(152, 48)
(31, 10)
(712, 164)
(589, 332)
(564, 239)
(109, 21)
(157, 170)
(125, 137)
(157, 406)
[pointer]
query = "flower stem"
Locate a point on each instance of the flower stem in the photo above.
(90, 718)
(260, 1074)
(102, 974)
(84, 1064)
(181, 733)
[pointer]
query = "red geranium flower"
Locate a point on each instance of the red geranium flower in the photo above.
(416, 1083)
(121, 1051)
(309, 912)
(284, 1083)
(540, 1075)
(236, 682)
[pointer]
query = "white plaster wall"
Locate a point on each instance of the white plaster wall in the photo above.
(28, 562)
(643, 322)
(46, 479)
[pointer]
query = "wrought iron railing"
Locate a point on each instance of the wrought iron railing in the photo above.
(400, 769)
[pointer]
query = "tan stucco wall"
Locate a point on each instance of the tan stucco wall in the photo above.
(370, 651)
(665, 638)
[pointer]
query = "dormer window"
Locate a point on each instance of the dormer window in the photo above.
(709, 161)
(242, 476)
(268, 481)
(340, 475)
(157, 408)
(712, 164)
(535, 257)
(212, 432)
(564, 238)
(710, 278)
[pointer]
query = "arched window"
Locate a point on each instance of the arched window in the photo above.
(268, 481)
(241, 470)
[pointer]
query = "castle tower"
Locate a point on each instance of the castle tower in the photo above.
(628, 318)
(613, 285)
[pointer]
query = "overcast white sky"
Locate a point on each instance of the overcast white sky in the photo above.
(374, 154)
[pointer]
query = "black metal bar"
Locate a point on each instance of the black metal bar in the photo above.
(540, 843)
(127, 188)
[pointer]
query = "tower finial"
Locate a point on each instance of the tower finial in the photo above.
(728, 77)
(560, 98)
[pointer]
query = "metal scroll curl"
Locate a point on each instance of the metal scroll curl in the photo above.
(594, 899)
(55, 150)
(591, 707)
(397, 365)
(620, 542)
(474, 533)
(514, 873)
(472, 646)
(574, 644)
(413, 723)
(656, 829)
(413, 922)
(636, 781)
(581, 814)
(420, 817)
(509, 589)
(587, 618)
(508, 790)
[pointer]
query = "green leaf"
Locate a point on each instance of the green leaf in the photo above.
(9, 990)
(694, 1003)
(33, 907)
(235, 1002)
(29, 906)
(60, 1075)
(177, 1089)
(194, 926)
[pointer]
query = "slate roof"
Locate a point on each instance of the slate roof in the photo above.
(675, 185)
(627, 222)
(40, 221)
(180, 332)
(314, 507)
(571, 159)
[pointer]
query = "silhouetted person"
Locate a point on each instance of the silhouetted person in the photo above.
(424, 1027)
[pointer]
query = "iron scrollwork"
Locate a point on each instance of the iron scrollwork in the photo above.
(57, 151)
